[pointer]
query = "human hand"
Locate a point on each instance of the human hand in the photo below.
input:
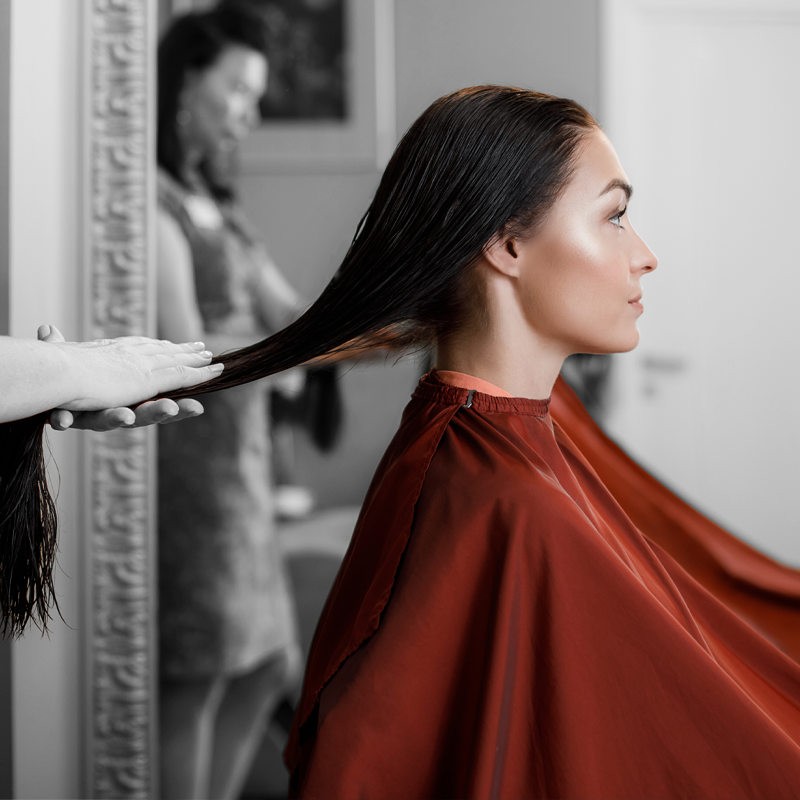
(149, 413)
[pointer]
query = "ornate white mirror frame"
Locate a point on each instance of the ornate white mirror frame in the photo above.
(120, 664)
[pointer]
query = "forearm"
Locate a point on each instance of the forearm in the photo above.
(36, 377)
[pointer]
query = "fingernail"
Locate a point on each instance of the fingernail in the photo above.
(198, 345)
(217, 368)
(207, 354)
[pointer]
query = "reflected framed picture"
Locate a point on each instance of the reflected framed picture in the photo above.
(330, 100)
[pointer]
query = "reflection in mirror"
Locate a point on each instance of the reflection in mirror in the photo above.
(229, 653)
(245, 561)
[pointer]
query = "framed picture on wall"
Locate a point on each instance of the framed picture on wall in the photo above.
(330, 103)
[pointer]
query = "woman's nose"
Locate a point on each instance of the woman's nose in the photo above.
(650, 260)
(647, 261)
(644, 258)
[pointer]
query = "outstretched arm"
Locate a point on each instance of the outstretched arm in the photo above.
(94, 376)
(152, 412)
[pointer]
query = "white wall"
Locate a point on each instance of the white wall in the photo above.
(704, 125)
(308, 220)
(44, 287)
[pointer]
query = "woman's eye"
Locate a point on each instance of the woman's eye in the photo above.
(617, 218)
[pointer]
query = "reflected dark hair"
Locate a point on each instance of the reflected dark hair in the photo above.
(479, 162)
(194, 42)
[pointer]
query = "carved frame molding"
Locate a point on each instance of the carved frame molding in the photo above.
(118, 248)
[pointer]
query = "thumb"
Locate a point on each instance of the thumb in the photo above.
(49, 333)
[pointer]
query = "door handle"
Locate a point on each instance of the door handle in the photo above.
(657, 367)
(663, 363)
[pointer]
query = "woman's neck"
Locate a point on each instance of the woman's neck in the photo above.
(192, 158)
(503, 348)
(190, 171)
(530, 375)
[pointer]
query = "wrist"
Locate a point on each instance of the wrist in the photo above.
(71, 374)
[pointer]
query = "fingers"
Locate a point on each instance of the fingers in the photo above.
(49, 333)
(106, 420)
(186, 350)
(151, 413)
(60, 419)
(164, 410)
(179, 377)
(189, 359)
(157, 345)
(155, 412)
(163, 354)
(186, 410)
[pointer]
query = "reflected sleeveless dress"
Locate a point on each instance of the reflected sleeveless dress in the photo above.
(224, 603)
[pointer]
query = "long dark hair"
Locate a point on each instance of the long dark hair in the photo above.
(479, 162)
(193, 43)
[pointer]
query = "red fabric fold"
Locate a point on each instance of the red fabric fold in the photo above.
(759, 589)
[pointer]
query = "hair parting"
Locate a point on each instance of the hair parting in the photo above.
(478, 163)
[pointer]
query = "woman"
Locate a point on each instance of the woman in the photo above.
(228, 643)
(499, 626)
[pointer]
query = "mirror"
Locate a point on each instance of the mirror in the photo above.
(121, 654)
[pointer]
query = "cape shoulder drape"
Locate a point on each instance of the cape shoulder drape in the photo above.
(500, 627)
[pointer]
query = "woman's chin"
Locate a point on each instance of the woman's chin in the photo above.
(633, 341)
(623, 343)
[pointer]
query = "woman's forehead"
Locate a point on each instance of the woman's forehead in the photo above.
(241, 62)
(597, 170)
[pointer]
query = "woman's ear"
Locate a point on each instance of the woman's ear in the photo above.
(503, 256)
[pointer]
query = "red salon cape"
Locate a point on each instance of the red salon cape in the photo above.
(500, 626)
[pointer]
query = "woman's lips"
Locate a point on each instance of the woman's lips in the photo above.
(637, 303)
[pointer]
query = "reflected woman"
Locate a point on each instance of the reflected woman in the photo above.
(228, 643)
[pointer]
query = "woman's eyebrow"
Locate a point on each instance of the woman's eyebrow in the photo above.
(618, 184)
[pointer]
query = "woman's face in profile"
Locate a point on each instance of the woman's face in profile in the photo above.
(580, 278)
(222, 100)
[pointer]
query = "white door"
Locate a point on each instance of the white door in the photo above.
(702, 101)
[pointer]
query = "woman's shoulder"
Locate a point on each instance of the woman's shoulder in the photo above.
(195, 212)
